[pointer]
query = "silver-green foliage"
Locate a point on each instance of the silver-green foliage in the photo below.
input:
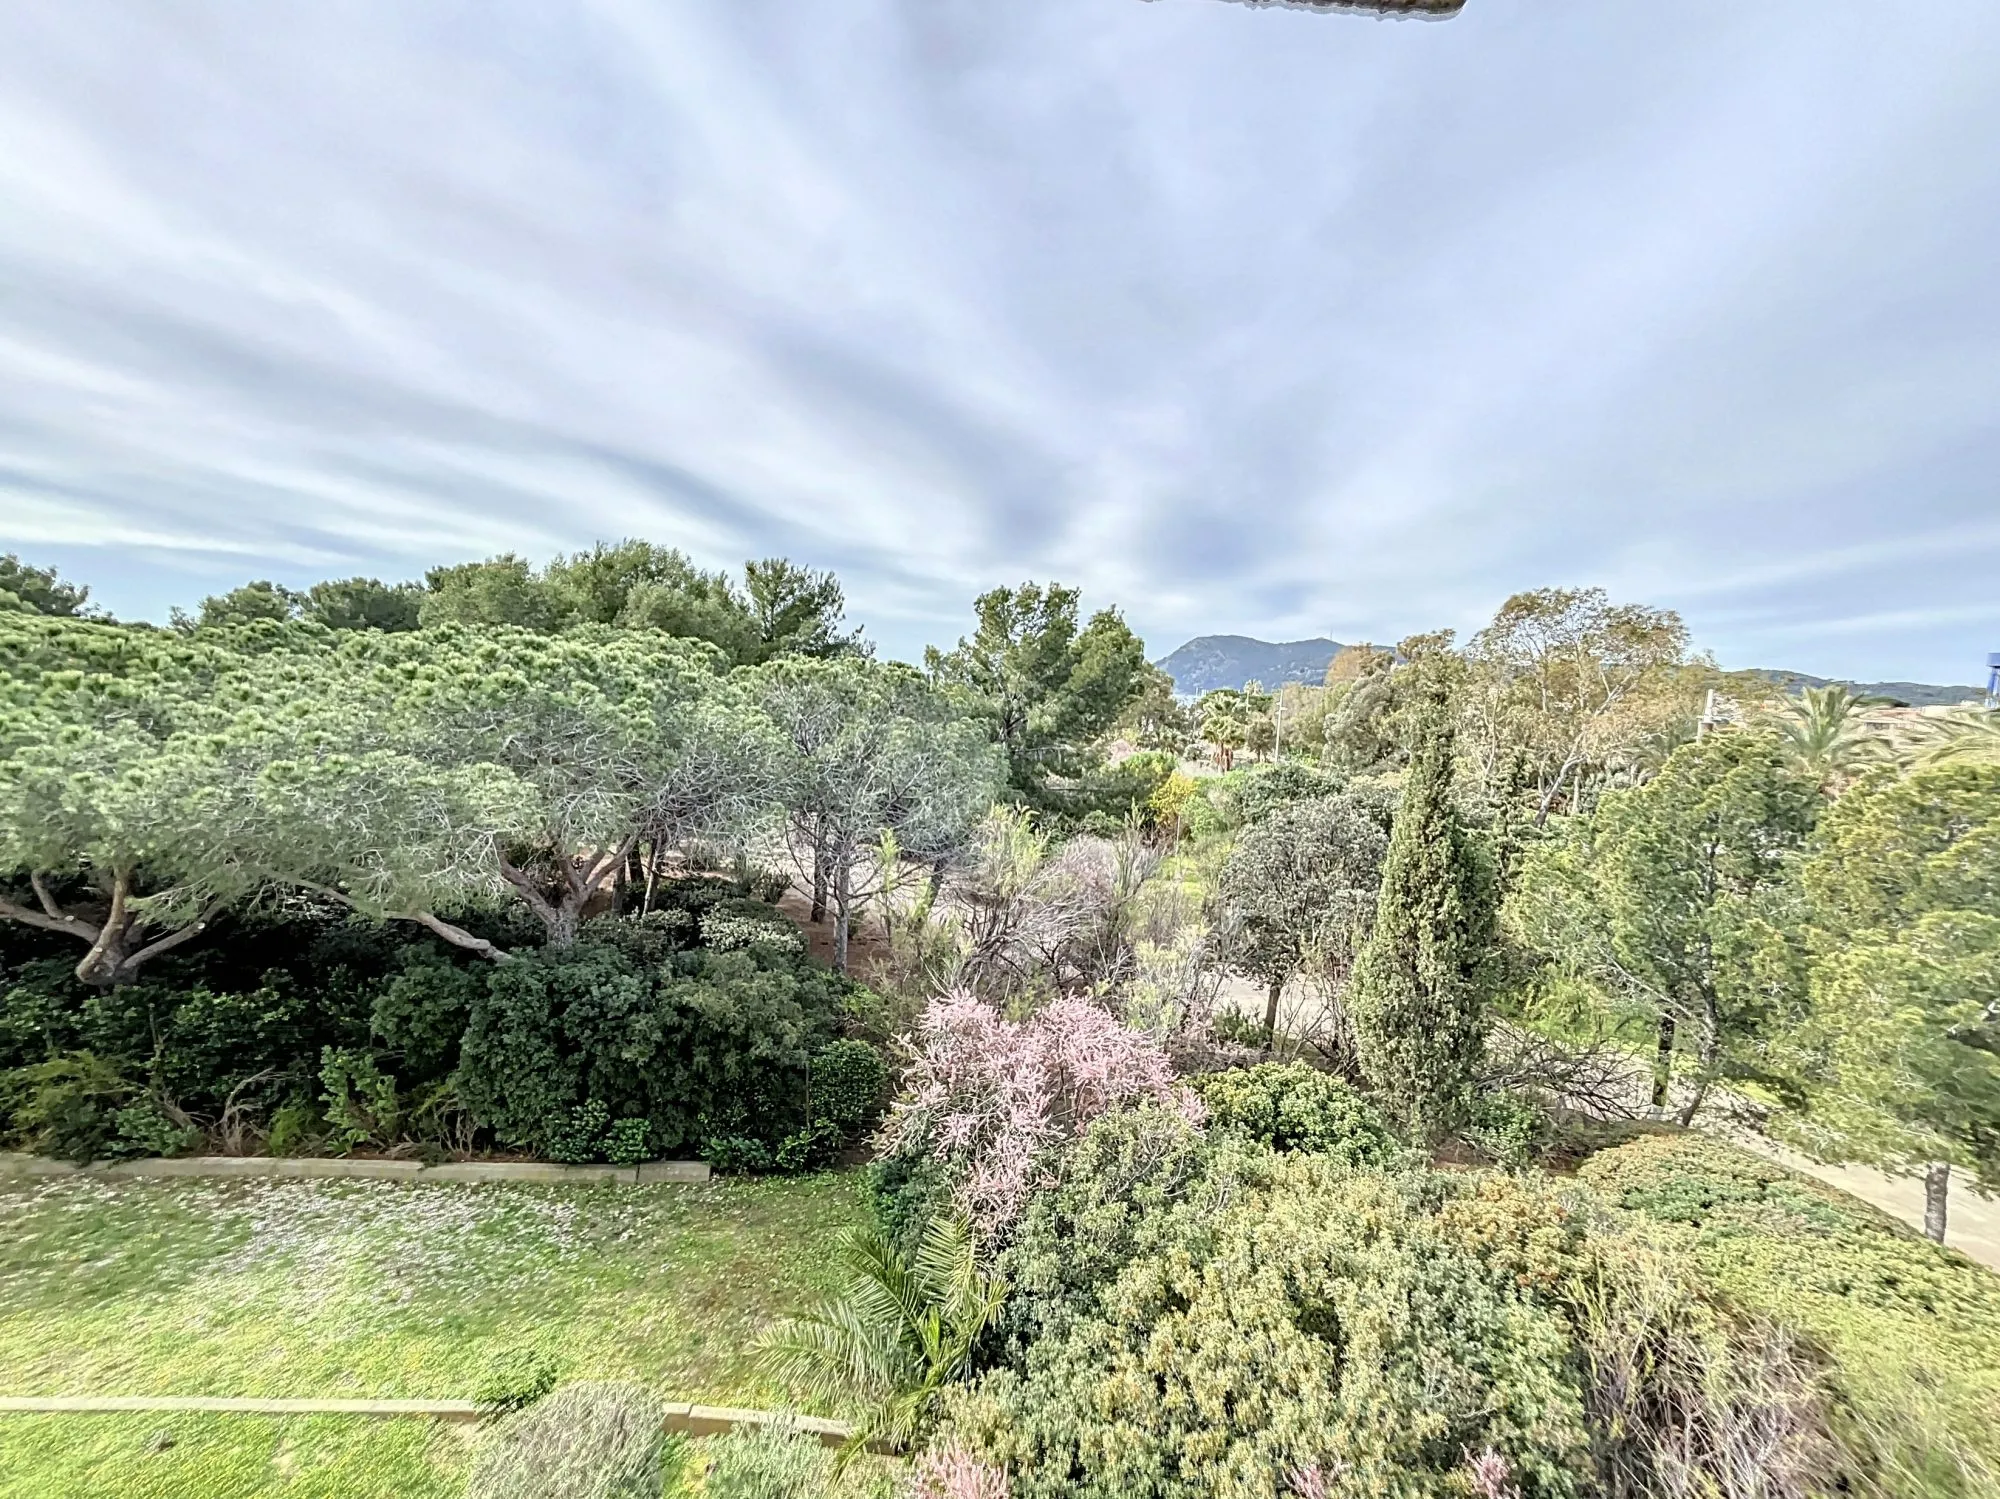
(767, 1462)
(585, 1441)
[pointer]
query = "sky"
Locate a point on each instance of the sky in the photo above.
(1242, 319)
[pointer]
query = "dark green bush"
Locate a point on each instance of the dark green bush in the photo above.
(905, 1192)
(849, 1079)
(421, 1012)
(706, 1045)
(145, 1128)
(1292, 1106)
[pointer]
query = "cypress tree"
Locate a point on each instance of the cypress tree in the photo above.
(1418, 1000)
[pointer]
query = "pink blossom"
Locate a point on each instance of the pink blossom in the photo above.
(954, 1473)
(1489, 1473)
(994, 1095)
(1314, 1480)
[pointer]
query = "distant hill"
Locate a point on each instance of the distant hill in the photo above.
(1211, 661)
(1912, 694)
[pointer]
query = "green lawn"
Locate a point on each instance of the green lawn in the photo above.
(371, 1289)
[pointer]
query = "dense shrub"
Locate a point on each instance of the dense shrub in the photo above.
(421, 1013)
(1119, 1192)
(1511, 1128)
(732, 925)
(1197, 1315)
(1292, 1106)
(1277, 1313)
(67, 1106)
(1913, 1329)
(585, 1441)
(1262, 792)
(906, 1191)
(706, 1045)
(849, 1079)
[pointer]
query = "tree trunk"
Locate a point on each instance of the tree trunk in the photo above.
(1937, 1192)
(1663, 1064)
(1271, 1014)
(652, 877)
(842, 884)
(1710, 1054)
(819, 881)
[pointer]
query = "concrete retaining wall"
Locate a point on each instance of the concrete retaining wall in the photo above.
(220, 1167)
(689, 1420)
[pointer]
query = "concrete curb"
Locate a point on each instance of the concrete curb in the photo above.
(310, 1168)
(688, 1420)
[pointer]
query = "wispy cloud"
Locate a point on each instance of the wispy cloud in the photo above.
(1244, 319)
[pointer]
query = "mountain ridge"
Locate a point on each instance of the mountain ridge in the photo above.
(1209, 662)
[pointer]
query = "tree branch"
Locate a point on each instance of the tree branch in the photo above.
(82, 930)
(173, 939)
(47, 900)
(457, 936)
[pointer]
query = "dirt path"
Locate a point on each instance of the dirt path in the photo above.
(1972, 1224)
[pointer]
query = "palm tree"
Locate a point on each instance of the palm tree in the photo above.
(899, 1331)
(1966, 734)
(1824, 733)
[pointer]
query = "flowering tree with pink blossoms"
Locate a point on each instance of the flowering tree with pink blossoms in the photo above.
(991, 1098)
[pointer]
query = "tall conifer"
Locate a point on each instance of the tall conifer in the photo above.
(1419, 995)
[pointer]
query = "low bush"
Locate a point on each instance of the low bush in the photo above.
(1509, 1128)
(1293, 1106)
(767, 1462)
(1265, 1315)
(585, 1441)
(1197, 1315)
(68, 1106)
(359, 1099)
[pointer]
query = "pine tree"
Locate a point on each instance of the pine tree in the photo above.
(1418, 1000)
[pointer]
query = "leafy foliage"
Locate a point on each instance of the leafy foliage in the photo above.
(1292, 1106)
(1673, 899)
(1900, 1049)
(712, 1044)
(899, 1332)
(1048, 686)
